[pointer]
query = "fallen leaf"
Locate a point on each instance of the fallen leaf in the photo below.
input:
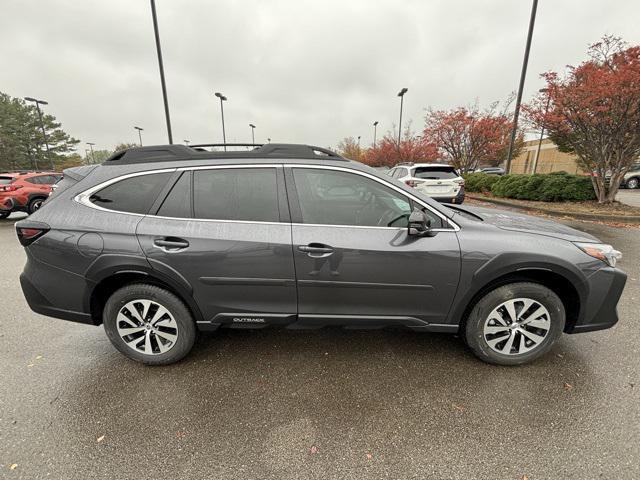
(369, 456)
(560, 355)
(524, 477)
(181, 434)
(568, 386)
(460, 408)
(99, 439)
(38, 357)
(30, 365)
(313, 450)
(13, 466)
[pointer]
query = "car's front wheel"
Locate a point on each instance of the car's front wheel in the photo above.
(515, 323)
(632, 183)
(149, 324)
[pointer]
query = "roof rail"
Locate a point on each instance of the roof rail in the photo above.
(165, 153)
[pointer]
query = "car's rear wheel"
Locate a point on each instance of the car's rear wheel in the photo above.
(633, 183)
(35, 204)
(149, 324)
(515, 323)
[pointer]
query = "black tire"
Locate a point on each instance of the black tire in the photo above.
(35, 204)
(4, 214)
(186, 328)
(474, 327)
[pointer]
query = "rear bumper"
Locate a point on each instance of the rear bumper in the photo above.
(459, 198)
(44, 282)
(599, 313)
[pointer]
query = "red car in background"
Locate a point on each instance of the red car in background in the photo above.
(25, 191)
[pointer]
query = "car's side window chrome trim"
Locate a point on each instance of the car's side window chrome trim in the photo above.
(83, 197)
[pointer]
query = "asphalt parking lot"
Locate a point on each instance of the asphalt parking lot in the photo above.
(321, 404)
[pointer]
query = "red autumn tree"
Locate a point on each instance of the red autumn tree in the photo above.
(468, 137)
(594, 112)
(388, 153)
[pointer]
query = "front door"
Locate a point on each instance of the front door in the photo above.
(226, 231)
(355, 263)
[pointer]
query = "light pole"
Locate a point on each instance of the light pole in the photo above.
(93, 158)
(86, 155)
(224, 135)
(139, 133)
(375, 128)
(44, 133)
(546, 110)
(253, 137)
(401, 95)
(523, 75)
(161, 67)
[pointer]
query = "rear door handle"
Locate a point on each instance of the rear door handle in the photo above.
(171, 244)
(316, 250)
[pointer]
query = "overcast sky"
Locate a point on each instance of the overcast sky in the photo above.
(301, 71)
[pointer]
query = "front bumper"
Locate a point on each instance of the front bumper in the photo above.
(599, 311)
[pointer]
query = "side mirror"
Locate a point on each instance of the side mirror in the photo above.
(419, 224)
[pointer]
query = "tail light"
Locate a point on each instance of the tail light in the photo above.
(29, 234)
(460, 182)
(9, 188)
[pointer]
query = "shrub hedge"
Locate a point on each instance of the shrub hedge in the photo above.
(554, 187)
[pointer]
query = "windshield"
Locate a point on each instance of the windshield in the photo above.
(435, 173)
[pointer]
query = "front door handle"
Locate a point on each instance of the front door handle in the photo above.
(171, 244)
(316, 250)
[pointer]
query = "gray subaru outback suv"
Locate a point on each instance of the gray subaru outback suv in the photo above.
(158, 243)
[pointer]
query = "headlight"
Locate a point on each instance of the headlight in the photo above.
(601, 251)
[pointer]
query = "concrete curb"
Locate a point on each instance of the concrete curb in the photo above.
(633, 219)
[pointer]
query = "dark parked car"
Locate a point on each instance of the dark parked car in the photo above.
(158, 243)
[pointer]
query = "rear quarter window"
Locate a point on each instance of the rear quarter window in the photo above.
(6, 180)
(131, 195)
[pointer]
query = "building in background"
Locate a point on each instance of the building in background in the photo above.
(550, 159)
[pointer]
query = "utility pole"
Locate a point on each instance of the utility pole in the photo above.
(523, 75)
(139, 133)
(224, 134)
(401, 95)
(44, 132)
(375, 128)
(161, 67)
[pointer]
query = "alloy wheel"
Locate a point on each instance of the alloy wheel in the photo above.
(632, 183)
(147, 327)
(517, 326)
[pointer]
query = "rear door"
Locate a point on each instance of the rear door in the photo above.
(355, 263)
(226, 231)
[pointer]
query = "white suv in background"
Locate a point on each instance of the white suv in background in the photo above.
(440, 181)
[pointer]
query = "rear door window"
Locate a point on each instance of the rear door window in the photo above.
(131, 195)
(435, 173)
(243, 194)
